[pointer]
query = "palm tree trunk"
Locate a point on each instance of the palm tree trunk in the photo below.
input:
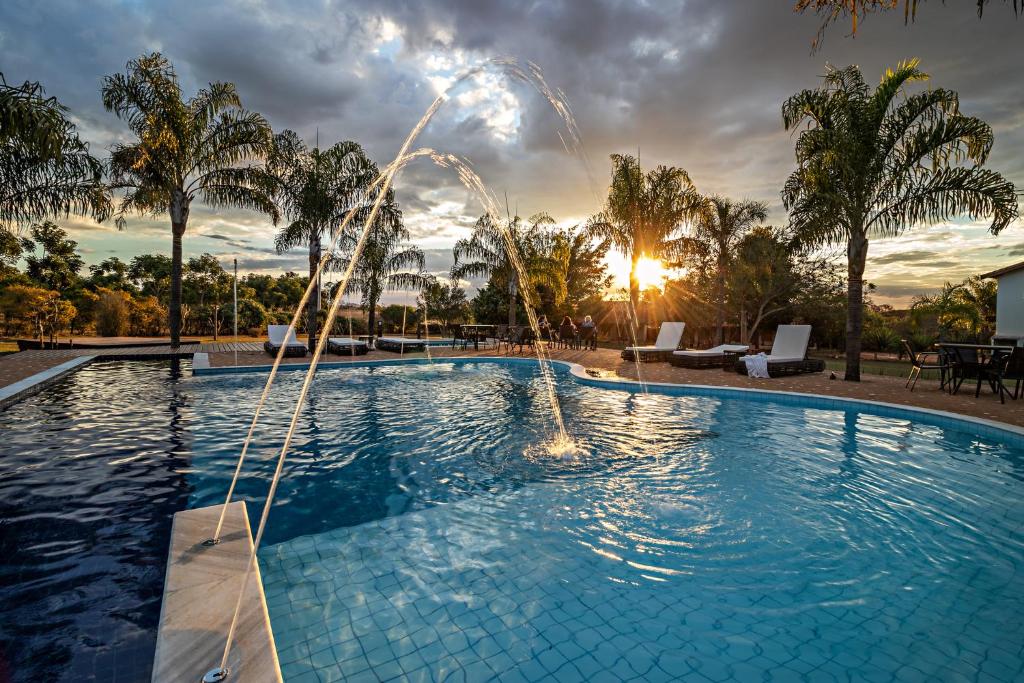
(720, 304)
(512, 301)
(177, 230)
(856, 253)
(634, 302)
(371, 318)
(313, 307)
(179, 221)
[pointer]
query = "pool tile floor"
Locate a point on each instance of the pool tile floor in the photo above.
(443, 595)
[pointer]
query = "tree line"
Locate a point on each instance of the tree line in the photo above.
(870, 162)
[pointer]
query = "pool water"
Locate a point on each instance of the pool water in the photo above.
(421, 534)
(91, 472)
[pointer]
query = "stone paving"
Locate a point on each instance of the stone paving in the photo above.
(17, 366)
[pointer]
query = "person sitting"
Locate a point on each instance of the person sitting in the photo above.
(567, 332)
(544, 327)
(588, 333)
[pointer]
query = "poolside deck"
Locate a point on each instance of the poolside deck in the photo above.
(18, 366)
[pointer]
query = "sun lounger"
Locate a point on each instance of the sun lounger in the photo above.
(715, 357)
(789, 353)
(400, 344)
(278, 336)
(346, 346)
(668, 340)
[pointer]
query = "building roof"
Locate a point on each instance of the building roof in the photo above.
(1004, 271)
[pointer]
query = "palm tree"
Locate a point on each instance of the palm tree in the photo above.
(203, 147)
(876, 163)
(720, 226)
(316, 189)
(967, 308)
(580, 263)
(46, 170)
(387, 261)
(484, 254)
(644, 213)
(857, 10)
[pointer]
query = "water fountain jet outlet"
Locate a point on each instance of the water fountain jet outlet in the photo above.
(216, 675)
(209, 543)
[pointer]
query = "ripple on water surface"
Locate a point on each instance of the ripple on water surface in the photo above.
(421, 530)
(91, 471)
(690, 536)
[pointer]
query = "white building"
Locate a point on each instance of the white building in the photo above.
(1009, 304)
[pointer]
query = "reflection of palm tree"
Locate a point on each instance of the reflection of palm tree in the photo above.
(485, 254)
(873, 163)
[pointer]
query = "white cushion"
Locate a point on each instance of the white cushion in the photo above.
(713, 351)
(276, 334)
(790, 343)
(669, 336)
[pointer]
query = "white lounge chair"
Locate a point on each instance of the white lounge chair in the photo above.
(668, 340)
(715, 357)
(789, 353)
(347, 346)
(278, 336)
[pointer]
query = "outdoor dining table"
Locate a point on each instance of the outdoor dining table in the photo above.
(475, 331)
(953, 349)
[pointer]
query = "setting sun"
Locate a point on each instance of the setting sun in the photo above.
(650, 273)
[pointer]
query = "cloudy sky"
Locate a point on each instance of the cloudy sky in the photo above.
(694, 83)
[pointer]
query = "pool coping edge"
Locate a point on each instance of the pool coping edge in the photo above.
(33, 384)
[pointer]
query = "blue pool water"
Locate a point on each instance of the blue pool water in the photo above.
(420, 534)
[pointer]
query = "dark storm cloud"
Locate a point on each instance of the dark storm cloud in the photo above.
(693, 83)
(904, 257)
(297, 264)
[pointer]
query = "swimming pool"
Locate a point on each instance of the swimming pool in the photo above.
(420, 534)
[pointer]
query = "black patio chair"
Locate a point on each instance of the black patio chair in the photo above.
(1004, 367)
(520, 336)
(965, 364)
(923, 361)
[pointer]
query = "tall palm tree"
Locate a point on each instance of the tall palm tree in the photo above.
(644, 213)
(874, 163)
(46, 170)
(315, 189)
(203, 147)
(387, 261)
(484, 254)
(720, 225)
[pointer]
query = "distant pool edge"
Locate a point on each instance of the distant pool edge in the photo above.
(942, 418)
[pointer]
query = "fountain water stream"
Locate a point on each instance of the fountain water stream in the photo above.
(561, 445)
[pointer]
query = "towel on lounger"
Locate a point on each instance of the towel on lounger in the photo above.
(757, 366)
